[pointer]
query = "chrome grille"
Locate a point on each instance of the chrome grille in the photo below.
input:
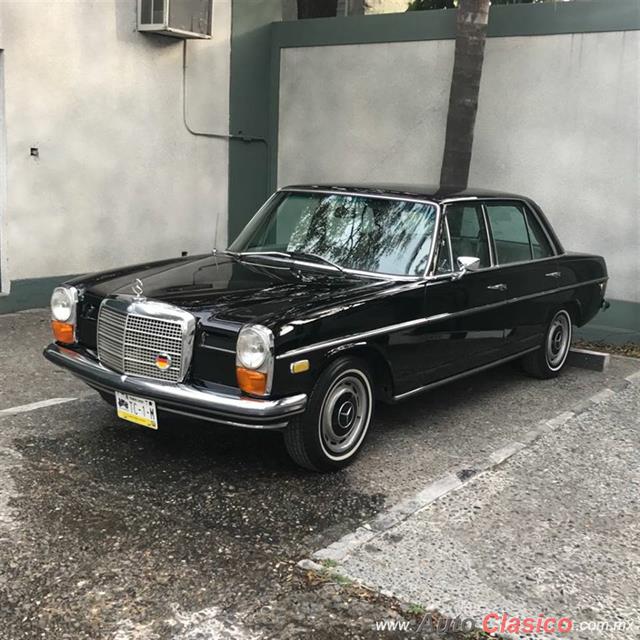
(111, 328)
(132, 334)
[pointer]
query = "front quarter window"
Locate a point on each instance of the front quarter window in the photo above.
(363, 233)
(468, 233)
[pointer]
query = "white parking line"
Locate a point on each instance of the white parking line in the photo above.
(34, 405)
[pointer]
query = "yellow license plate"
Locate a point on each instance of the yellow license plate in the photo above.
(138, 410)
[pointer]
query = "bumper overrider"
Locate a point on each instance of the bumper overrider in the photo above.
(215, 403)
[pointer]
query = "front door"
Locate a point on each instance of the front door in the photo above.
(466, 327)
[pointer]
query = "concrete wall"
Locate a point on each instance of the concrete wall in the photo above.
(119, 178)
(363, 112)
(250, 108)
(558, 120)
(4, 271)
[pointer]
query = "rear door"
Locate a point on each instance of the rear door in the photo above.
(528, 269)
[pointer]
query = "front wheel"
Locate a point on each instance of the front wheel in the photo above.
(548, 361)
(329, 435)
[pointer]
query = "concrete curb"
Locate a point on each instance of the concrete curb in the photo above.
(586, 359)
(340, 549)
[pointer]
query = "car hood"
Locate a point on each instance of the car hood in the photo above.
(219, 289)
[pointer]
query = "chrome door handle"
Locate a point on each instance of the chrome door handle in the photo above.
(553, 274)
(498, 287)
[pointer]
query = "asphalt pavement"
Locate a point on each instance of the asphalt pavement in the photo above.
(109, 530)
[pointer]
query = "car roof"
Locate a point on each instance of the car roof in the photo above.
(436, 193)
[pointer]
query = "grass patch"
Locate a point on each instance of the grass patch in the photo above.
(415, 609)
(329, 563)
(343, 581)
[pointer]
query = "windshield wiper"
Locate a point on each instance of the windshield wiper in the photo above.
(295, 255)
(249, 254)
(316, 258)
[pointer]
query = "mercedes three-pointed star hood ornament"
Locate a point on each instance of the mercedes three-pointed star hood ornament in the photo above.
(138, 288)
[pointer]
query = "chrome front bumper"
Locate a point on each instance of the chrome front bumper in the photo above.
(215, 403)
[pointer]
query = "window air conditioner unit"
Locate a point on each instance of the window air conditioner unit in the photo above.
(177, 18)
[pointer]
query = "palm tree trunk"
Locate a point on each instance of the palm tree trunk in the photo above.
(471, 32)
(317, 9)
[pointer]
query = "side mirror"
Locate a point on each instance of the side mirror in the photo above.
(466, 263)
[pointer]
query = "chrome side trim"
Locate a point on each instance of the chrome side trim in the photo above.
(499, 266)
(459, 199)
(430, 319)
(202, 345)
(360, 336)
(464, 374)
(364, 194)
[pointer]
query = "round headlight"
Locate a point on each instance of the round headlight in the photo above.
(254, 344)
(62, 304)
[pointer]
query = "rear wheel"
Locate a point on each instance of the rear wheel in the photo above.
(548, 361)
(329, 435)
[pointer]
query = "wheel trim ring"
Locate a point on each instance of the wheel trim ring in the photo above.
(362, 420)
(558, 341)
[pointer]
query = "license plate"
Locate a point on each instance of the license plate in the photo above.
(138, 410)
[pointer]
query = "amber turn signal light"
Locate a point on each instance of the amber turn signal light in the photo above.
(63, 332)
(253, 382)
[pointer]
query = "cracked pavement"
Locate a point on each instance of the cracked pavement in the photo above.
(553, 529)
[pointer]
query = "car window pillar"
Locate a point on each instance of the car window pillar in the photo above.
(492, 246)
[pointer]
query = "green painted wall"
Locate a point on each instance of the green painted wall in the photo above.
(30, 293)
(618, 324)
(251, 30)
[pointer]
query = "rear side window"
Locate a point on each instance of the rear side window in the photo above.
(539, 242)
(510, 233)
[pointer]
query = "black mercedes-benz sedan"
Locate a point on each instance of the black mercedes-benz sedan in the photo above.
(331, 298)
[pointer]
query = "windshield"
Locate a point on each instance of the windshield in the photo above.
(363, 233)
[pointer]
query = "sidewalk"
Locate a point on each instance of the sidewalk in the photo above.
(553, 530)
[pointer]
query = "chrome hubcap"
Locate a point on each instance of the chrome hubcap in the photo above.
(345, 414)
(558, 340)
